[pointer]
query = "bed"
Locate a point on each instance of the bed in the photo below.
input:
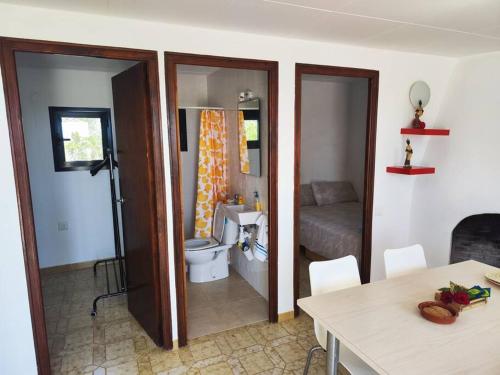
(331, 220)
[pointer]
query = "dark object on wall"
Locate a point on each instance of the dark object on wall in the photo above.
(183, 130)
(80, 137)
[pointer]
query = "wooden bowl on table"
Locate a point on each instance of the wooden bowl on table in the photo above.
(438, 312)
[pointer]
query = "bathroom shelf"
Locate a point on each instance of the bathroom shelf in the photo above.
(411, 171)
(434, 131)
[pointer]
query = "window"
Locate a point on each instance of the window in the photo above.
(80, 137)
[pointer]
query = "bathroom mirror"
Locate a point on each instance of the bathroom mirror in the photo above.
(249, 136)
(420, 94)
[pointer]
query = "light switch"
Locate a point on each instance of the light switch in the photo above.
(62, 226)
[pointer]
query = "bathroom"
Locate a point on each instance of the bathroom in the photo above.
(226, 287)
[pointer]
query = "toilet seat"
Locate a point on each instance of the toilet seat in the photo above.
(196, 244)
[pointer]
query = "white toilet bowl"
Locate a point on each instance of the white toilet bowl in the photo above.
(206, 258)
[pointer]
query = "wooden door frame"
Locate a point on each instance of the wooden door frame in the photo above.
(371, 131)
(8, 48)
(172, 59)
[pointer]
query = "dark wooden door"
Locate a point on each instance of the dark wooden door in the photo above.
(133, 125)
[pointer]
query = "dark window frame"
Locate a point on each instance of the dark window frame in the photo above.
(56, 113)
(253, 114)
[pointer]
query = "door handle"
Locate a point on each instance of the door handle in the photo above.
(120, 200)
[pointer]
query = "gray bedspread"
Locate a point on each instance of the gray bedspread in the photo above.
(332, 231)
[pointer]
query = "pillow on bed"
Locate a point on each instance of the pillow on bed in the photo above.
(306, 195)
(330, 192)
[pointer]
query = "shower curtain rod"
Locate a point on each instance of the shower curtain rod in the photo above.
(216, 108)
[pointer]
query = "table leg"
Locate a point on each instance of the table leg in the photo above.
(332, 354)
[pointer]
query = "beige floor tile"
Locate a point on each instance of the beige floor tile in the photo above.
(162, 360)
(78, 338)
(128, 368)
(221, 368)
(291, 352)
(117, 343)
(256, 363)
(77, 360)
(120, 349)
(117, 331)
(239, 338)
(204, 350)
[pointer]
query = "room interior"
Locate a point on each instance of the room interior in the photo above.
(234, 290)
(431, 224)
(332, 169)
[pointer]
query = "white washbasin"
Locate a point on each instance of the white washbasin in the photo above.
(241, 214)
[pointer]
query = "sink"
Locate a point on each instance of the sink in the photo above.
(241, 214)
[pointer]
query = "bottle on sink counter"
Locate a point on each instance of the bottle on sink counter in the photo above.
(258, 205)
(241, 200)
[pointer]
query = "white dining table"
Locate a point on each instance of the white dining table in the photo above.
(381, 324)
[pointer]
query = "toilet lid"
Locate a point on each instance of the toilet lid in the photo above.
(218, 224)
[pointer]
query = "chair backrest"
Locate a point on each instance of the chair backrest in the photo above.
(331, 275)
(399, 262)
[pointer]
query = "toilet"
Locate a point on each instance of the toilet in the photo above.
(207, 257)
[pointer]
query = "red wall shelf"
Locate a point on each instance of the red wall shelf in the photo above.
(411, 171)
(425, 131)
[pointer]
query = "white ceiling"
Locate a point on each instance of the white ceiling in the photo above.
(442, 27)
(48, 61)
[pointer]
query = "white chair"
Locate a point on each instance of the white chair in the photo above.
(328, 276)
(399, 262)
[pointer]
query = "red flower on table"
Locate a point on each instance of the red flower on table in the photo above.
(447, 297)
(462, 298)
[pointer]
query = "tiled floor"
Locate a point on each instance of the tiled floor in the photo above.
(114, 343)
(223, 304)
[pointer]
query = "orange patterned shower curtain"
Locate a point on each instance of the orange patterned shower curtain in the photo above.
(212, 170)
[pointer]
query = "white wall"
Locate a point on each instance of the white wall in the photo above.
(192, 92)
(356, 135)
(75, 197)
(333, 127)
(224, 87)
(467, 167)
(392, 200)
(324, 131)
(17, 350)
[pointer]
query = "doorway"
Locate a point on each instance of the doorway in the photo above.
(225, 108)
(334, 172)
(135, 99)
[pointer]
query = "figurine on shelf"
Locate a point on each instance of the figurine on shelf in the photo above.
(419, 111)
(420, 94)
(409, 154)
